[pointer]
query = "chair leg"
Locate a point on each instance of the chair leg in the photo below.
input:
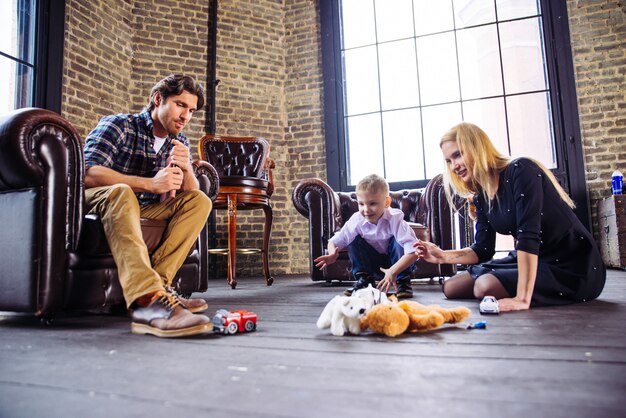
(269, 217)
(232, 239)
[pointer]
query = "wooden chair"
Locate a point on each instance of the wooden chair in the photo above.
(245, 175)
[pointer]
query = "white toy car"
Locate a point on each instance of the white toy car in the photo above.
(489, 305)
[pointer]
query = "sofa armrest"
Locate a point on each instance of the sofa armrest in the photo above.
(316, 201)
(41, 153)
(439, 218)
(208, 178)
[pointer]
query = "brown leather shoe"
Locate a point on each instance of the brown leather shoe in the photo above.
(165, 317)
(192, 305)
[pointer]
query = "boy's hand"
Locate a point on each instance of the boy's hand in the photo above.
(388, 281)
(326, 260)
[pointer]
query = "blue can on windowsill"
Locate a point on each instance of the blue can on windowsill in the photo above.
(617, 182)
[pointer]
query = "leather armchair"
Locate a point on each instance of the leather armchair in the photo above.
(426, 210)
(52, 257)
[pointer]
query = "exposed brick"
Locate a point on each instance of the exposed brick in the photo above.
(596, 28)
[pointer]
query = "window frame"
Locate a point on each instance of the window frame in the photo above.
(564, 105)
(50, 40)
(48, 43)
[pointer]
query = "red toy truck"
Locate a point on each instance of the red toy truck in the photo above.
(231, 322)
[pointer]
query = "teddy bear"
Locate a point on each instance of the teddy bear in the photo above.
(343, 314)
(393, 319)
(386, 318)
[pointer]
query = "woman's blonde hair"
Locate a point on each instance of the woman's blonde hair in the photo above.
(484, 161)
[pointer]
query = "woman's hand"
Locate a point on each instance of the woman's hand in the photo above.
(429, 252)
(513, 304)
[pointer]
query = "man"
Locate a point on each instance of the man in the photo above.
(139, 166)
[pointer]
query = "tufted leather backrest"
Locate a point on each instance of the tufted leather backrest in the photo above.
(235, 156)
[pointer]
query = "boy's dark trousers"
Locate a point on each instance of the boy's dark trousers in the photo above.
(365, 259)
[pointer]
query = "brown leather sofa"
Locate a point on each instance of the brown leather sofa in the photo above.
(53, 257)
(426, 210)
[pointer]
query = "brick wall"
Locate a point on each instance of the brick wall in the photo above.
(115, 51)
(269, 64)
(598, 38)
(250, 101)
(305, 115)
(97, 65)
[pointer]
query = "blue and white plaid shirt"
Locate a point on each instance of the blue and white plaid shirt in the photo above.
(125, 143)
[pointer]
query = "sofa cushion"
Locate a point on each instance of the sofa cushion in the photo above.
(93, 241)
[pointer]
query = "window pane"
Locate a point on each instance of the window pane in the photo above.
(489, 115)
(394, 19)
(437, 120)
(522, 56)
(530, 127)
(398, 75)
(17, 29)
(432, 16)
(404, 157)
(473, 12)
(8, 28)
(361, 82)
(436, 59)
(16, 89)
(7, 87)
(513, 9)
(357, 23)
(364, 144)
(479, 62)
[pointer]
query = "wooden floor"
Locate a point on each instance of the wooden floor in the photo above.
(550, 362)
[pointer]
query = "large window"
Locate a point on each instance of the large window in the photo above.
(399, 73)
(411, 71)
(31, 53)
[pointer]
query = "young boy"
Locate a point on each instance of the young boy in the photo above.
(379, 240)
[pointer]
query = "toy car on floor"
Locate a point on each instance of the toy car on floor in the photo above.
(489, 305)
(231, 322)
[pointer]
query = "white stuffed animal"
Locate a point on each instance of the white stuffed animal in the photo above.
(343, 314)
(371, 296)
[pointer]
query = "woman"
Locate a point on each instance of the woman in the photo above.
(557, 260)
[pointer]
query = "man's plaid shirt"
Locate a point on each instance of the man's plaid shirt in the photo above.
(125, 143)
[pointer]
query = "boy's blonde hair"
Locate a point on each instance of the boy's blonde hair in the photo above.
(373, 184)
(484, 160)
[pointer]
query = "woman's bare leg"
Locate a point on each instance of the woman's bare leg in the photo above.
(459, 286)
(489, 285)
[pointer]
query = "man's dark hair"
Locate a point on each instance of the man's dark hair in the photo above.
(173, 85)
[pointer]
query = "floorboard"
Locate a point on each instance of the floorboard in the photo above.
(565, 361)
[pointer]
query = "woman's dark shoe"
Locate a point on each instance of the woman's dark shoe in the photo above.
(165, 317)
(362, 280)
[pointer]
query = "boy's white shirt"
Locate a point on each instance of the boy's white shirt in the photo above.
(391, 224)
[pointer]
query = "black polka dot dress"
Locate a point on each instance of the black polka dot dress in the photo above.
(529, 208)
